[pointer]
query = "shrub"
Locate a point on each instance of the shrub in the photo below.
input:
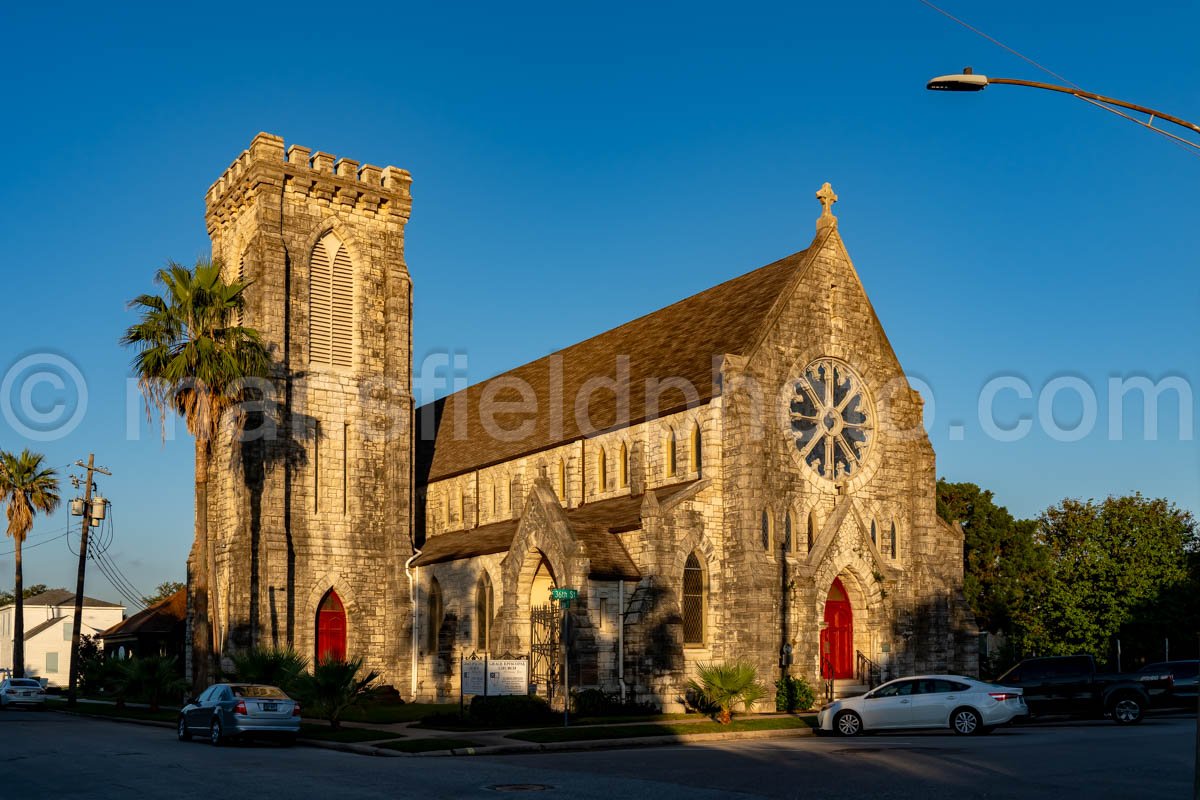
(598, 703)
(728, 685)
(514, 709)
(332, 687)
(793, 694)
(274, 666)
(149, 678)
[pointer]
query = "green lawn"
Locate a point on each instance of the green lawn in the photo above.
(324, 733)
(426, 745)
(584, 733)
(388, 713)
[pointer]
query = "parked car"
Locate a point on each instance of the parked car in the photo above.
(964, 705)
(227, 711)
(1184, 691)
(1072, 685)
(22, 692)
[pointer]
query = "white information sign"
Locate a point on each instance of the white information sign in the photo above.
(508, 676)
(495, 676)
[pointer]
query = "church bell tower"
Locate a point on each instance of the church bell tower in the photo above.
(310, 493)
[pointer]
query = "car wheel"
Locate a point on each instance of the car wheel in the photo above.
(1127, 709)
(848, 723)
(966, 722)
(182, 732)
(214, 733)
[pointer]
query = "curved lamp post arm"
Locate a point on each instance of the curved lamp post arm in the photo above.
(968, 81)
(1183, 123)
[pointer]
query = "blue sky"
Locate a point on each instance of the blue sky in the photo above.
(577, 165)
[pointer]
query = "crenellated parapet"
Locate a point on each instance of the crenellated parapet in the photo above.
(343, 182)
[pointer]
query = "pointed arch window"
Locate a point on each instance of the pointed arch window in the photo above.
(765, 525)
(787, 532)
(484, 611)
(331, 304)
(331, 628)
(892, 538)
(693, 601)
(672, 453)
(560, 483)
(812, 529)
(874, 534)
(697, 451)
(623, 468)
(433, 616)
(601, 471)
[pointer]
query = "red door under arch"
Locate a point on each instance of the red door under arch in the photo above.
(837, 638)
(331, 629)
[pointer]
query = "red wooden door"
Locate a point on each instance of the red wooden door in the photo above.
(331, 629)
(837, 639)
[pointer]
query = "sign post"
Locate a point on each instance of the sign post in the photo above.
(564, 597)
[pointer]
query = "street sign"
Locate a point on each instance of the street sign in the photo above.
(564, 594)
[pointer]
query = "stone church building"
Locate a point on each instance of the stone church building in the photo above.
(743, 474)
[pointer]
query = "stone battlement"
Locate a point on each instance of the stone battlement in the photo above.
(341, 179)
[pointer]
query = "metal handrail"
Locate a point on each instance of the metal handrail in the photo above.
(865, 670)
(827, 675)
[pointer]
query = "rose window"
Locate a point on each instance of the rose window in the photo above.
(831, 419)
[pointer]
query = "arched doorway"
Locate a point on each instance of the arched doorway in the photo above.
(837, 637)
(544, 630)
(331, 628)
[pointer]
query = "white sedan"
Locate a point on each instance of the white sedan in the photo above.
(964, 705)
(21, 691)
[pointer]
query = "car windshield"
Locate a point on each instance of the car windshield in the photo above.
(258, 691)
(24, 682)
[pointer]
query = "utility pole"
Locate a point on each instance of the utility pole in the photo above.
(83, 545)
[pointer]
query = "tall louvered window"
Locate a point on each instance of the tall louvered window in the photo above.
(331, 304)
(693, 601)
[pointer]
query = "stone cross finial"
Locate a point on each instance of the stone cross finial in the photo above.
(827, 199)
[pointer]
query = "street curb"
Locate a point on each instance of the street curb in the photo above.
(516, 748)
(613, 744)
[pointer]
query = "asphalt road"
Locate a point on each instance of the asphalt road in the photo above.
(46, 754)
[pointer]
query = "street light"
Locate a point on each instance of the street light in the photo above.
(968, 81)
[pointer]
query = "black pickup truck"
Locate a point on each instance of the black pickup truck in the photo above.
(1071, 685)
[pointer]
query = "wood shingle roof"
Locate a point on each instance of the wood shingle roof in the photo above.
(682, 342)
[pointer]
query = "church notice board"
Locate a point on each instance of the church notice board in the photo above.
(495, 676)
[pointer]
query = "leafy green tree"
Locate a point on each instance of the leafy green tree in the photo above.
(27, 592)
(162, 592)
(1003, 566)
(1106, 560)
(192, 358)
(725, 686)
(334, 686)
(26, 487)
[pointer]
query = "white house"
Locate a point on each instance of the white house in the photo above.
(48, 626)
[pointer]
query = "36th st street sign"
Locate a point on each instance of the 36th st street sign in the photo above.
(564, 596)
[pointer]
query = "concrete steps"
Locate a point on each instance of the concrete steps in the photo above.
(848, 687)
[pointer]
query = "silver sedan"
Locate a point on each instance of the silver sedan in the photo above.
(228, 711)
(22, 692)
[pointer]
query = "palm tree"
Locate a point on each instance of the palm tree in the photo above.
(723, 686)
(193, 359)
(27, 487)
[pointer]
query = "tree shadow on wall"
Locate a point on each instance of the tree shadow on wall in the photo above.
(269, 438)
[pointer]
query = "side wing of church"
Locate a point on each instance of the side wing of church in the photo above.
(743, 474)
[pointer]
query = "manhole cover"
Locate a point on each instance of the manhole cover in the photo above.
(521, 787)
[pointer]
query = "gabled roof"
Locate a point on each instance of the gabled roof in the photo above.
(36, 629)
(159, 618)
(62, 597)
(594, 524)
(680, 341)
